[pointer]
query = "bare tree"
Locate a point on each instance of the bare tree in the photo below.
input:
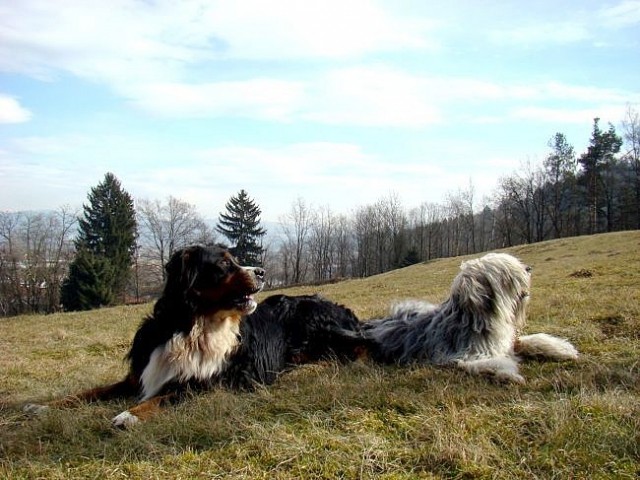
(295, 228)
(395, 223)
(364, 228)
(165, 228)
(35, 251)
(522, 198)
(10, 253)
(344, 246)
(321, 248)
(631, 133)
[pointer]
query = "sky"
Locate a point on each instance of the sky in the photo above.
(338, 103)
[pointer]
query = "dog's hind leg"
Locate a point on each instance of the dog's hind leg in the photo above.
(503, 369)
(542, 345)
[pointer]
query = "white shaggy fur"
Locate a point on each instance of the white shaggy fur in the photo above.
(199, 355)
(475, 329)
(500, 368)
(546, 346)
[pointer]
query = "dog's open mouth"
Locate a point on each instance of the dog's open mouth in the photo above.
(246, 303)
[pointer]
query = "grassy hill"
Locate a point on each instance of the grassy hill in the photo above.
(570, 420)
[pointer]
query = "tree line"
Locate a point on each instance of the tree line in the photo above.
(114, 252)
(567, 195)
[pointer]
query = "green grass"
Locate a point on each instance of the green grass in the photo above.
(570, 420)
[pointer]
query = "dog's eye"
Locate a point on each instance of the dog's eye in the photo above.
(225, 263)
(528, 268)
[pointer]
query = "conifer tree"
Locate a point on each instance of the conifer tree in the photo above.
(241, 225)
(599, 156)
(105, 247)
(89, 283)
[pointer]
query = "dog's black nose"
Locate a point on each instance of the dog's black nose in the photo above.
(259, 272)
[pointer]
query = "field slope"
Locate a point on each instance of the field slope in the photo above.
(570, 420)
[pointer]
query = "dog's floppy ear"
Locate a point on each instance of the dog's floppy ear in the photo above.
(473, 293)
(182, 269)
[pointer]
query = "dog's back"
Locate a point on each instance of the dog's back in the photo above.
(285, 331)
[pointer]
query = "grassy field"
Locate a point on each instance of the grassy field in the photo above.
(570, 420)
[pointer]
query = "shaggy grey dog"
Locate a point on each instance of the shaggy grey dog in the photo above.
(476, 328)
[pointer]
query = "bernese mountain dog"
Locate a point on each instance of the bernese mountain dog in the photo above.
(207, 330)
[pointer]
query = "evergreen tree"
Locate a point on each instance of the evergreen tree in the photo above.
(598, 158)
(411, 258)
(105, 247)
(89, 283)
(559, 169)
(241, 225)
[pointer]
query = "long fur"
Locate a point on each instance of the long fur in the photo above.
(477, 328)
(207, 330)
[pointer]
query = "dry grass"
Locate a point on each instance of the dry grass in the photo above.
(575, 420)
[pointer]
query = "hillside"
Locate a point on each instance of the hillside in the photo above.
(573, 420)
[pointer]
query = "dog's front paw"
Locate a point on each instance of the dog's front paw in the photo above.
(125, 419)
(509, 377)
(34, 408)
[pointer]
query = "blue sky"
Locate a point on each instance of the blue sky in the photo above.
(339, 103)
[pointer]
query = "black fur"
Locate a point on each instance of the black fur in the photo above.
(206, 331)
(285, 331)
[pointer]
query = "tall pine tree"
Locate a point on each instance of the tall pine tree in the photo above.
(599, 157)
(241, 225)
(105, 247)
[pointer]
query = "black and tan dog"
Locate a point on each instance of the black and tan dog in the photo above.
(206, 330)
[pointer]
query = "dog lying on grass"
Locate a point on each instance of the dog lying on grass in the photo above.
(207, 330)
(476, 329)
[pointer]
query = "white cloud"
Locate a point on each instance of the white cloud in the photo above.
(261, 98)
(124, 40)
(624, 14)
(331, 29)
(372, 96)
(582, 116)
(541, 34)
(11, 111)
(364, 95)
(340, 175)
(40, 146)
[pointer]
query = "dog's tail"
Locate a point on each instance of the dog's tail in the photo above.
(545, 346)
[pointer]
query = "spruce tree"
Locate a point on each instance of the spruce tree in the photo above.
(241, 225)
(88, 284)
(603, 146)
(105, 247)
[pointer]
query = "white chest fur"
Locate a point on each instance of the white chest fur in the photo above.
(199, 355)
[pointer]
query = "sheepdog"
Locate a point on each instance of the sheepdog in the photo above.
(207, 330)
(476, 329)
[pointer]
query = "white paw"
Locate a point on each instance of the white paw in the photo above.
(508, 376)
(34, 408)
(502, 369)
(125, 419)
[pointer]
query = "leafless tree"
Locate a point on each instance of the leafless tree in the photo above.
(35, 251)
(165, 228)
(631, 133)
(344, 246)
(295, 227)
(321, 248)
